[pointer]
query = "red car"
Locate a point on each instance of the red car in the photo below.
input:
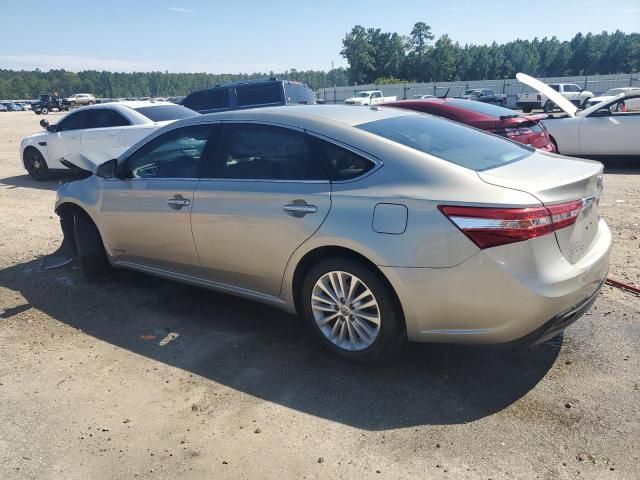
(525, 129)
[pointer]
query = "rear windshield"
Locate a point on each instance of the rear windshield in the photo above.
(449, 141)
(482, 108)
(162, 113)
(299, 93)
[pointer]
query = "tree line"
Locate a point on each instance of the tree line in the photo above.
(30, 84)
(373, 56)
(381, 57)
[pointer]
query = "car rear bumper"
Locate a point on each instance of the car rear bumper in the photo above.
(502, 294)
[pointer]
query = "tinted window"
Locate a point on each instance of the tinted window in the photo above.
(196, 100)
(342, 164)
(175, 154)
(449, 141)
(482, 108)
(212, 99)
(259, 94)
(298, 93)
(269, 153)
(75, 121)
(555, 87)
(162, 113)
(104, 118)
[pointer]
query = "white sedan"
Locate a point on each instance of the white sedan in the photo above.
(609, 128)
(92, 135)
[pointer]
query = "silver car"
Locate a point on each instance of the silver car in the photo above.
(375, 225)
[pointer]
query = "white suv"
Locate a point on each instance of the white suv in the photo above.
(81, 99)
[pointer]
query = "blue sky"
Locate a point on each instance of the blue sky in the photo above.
(248, 35)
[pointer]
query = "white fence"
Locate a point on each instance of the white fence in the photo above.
(508, 86)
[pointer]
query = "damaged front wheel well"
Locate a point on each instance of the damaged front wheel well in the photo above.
(66, 212)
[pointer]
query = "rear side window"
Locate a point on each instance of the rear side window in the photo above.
(162, 113)
(449, 141)
(340, 163)
(260, 152)
(259, 94)
(105, 118)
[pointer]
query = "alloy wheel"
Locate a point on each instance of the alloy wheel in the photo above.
(346, 311)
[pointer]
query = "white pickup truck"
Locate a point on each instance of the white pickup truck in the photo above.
(570, 91)
(369, 97)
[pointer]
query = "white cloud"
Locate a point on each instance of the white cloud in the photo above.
(180, 9)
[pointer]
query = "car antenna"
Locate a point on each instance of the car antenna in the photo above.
(447, 92)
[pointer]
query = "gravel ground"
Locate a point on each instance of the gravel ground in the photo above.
(138, 377)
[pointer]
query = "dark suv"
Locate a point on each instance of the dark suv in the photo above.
(249, 94)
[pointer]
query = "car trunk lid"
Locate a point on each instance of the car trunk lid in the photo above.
(555, 180)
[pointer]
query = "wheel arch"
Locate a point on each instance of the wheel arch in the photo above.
(28, 148)
(313, 256)
(66, 212)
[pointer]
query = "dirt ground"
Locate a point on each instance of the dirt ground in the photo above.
(142, 378)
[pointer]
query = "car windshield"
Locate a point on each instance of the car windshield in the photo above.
(612, 92)
(482, 108)
(363, 95)
(472, 92)
(162, 113)
(450, 141)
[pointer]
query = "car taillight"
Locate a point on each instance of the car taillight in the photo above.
(514, 132)
(490, 227)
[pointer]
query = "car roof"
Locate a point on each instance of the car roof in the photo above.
(345, 114)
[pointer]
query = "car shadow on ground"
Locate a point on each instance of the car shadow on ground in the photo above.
(266, 353)
(620, 166)
(25, 181)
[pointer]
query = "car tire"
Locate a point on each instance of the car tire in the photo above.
(44, 111)
(349, 330)
(527, 109)
(90, 252)
(35, 164)
(90, 102)
(548, 107)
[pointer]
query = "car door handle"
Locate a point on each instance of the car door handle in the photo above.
(299, 209)
(178, 202)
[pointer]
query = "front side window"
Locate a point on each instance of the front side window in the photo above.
(75, 121)
(449, 141)
(259, 94)
(175, 154)
(260, 152)
(106, 118)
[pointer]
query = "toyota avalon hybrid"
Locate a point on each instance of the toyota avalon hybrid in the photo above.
(375, 225)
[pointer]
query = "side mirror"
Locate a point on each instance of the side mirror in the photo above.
(108, 169)
(44, 123)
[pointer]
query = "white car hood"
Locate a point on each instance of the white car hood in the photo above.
(548, 92)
